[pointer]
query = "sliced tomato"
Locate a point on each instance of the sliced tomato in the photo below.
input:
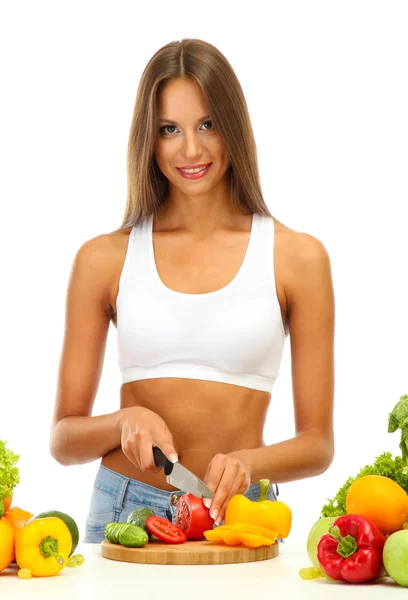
(165, 530)
(193, 517)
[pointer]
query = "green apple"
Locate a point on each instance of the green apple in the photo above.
(395, 556)
(320, 528)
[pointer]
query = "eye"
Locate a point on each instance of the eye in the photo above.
(209, 122)
(162, 129)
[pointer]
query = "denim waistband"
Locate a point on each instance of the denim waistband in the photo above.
(126, 488)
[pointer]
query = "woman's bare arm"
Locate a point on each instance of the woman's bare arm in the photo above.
(311, 309)
(76, 436)
(311, 313)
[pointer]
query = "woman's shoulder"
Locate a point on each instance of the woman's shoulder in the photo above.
(301, 260)
(103, 245)
(103, 253)
(298, 247)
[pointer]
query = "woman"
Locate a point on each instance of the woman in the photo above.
(203, 285)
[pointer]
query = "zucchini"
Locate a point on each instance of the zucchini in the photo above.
(69, 522)
(126, 534)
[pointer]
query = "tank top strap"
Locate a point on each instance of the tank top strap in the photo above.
(136, 268)
(260, 264)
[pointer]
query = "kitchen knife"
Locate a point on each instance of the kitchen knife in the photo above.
(180, 477)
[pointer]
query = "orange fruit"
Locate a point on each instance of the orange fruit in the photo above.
(381, 500)
(17, 517)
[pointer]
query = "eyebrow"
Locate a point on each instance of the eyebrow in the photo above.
(163, 120)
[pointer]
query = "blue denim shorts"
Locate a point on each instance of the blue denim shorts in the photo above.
(114, 496)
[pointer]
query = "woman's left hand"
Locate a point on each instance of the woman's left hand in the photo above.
(226, 475)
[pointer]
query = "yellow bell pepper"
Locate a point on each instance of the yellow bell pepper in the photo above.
(246, 528)
(233, 537)
(251, 536)
(274, 515)
(43, 546)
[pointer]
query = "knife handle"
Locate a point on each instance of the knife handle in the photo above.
(160, 460)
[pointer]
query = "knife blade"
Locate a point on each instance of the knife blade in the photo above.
(180, 477)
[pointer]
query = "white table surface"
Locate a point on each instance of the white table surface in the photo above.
(100, 578)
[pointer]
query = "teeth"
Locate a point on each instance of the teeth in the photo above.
(194, 170)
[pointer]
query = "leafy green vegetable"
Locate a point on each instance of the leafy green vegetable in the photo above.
(384, 464)
(9, 473)
(398, 419)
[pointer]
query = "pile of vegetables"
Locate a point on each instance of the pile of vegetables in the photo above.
(362, 534)
(40, 545)
(252, 524)
(384, 464)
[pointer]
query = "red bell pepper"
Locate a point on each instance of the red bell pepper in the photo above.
(352, 550)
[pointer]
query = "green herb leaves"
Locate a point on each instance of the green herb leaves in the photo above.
(9, 473)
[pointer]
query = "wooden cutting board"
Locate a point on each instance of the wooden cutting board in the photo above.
(188, 553)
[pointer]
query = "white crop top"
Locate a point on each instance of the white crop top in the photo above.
(233, 335)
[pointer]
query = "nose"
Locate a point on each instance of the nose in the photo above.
(191, 147)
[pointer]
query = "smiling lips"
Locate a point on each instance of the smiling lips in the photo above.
(194, 172)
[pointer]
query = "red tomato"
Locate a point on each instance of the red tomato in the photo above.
(193, 517)
(165, 530)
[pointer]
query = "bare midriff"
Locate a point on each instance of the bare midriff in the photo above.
(204, 417)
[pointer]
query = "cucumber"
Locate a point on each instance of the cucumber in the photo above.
(112, 531)
(126, 534)
(133, 536)
(138, 517)
(69, 522)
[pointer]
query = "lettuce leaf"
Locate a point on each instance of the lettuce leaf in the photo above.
(9, 473)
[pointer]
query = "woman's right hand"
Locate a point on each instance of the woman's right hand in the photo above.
(141, 430)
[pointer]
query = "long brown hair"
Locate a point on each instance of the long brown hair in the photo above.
(204, 64)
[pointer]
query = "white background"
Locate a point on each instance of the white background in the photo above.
(327, 89)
